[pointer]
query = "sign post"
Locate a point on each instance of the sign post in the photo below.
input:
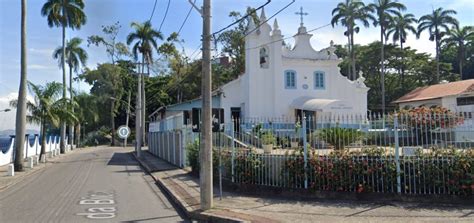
(123, 132)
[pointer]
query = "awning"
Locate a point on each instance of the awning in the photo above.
(321, 105)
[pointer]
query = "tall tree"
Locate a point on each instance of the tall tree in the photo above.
(86, 112)
(75, 58)
(44, 109)
(398, 29)
(460, 37)
(384, 10)
(144, 36)
(115, 50)
(348, 13)
(437, 23)
(64, 13)
(107, 86)
(21, 106)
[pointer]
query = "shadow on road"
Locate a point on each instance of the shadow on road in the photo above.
(122, 159)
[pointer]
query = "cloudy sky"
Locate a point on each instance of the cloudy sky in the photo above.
(42, 40)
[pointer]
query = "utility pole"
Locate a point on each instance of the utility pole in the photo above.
(138, 114)
(128, 116)
(206, 140)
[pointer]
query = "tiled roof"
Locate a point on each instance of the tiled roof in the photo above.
(438, 91)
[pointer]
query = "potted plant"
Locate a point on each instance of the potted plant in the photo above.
(294, 143)
(267, 142)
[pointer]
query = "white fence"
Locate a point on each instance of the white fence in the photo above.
(169, 145)
(52, 145)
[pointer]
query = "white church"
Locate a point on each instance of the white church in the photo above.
(278, 82)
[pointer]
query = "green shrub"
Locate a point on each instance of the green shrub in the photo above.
(339, 137)
(192, 153)
(268, 138)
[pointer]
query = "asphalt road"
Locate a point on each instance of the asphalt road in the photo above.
(99, 184)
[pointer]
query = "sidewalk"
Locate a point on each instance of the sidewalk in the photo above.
(184, 190)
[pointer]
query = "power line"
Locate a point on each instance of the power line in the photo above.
(187, 75)
(274, 41)
(164, 17)
(242, 18)
(186, 19)
(153, 11)
(278, 12)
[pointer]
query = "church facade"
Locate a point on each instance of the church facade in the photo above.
(281, 82)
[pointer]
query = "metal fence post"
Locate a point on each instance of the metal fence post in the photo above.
(397, 153)
(183, 148)
(305, 154)
(233, 149)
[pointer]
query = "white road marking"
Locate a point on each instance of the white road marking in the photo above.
(99, 198)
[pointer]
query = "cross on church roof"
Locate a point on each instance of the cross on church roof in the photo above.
(301, 14)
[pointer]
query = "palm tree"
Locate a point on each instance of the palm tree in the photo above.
(460, 37)
(399, 28)
(348, 13)
(384, 10)
(86, 112)
(437, 23)
(41, 111)
(75, 58)
(145, 38)
(64, 13)
(21, 106)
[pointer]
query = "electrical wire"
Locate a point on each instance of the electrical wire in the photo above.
(164, 17)
(278, 12)
(153, 11)
(309, 31)
(186, 19)
(242, 18)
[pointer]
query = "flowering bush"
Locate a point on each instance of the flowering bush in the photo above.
(247, 167)
(424, 117)
(440, 172)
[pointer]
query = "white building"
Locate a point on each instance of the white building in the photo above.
(456, 96)
(281, 82)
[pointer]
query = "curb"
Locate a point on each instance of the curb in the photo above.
(188, 211)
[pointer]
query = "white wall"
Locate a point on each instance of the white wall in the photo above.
(263, 91)
(427, 103)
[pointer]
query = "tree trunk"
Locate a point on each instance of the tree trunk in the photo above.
(144, 107)
(461, 60)
(71, 126)
(43, 138)
(62, 144)
(141, 119)
(354, 72)
(382, 68)
(78, 135)
(349, 53)
(402, 73)
(21, 107)
(437, 55)
(112, 122)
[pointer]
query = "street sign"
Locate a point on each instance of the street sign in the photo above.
(123, 132)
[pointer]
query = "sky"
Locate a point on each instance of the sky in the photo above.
(42, 40)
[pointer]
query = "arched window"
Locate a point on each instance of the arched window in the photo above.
(319, 80)
(290, 79)
(263, 57)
